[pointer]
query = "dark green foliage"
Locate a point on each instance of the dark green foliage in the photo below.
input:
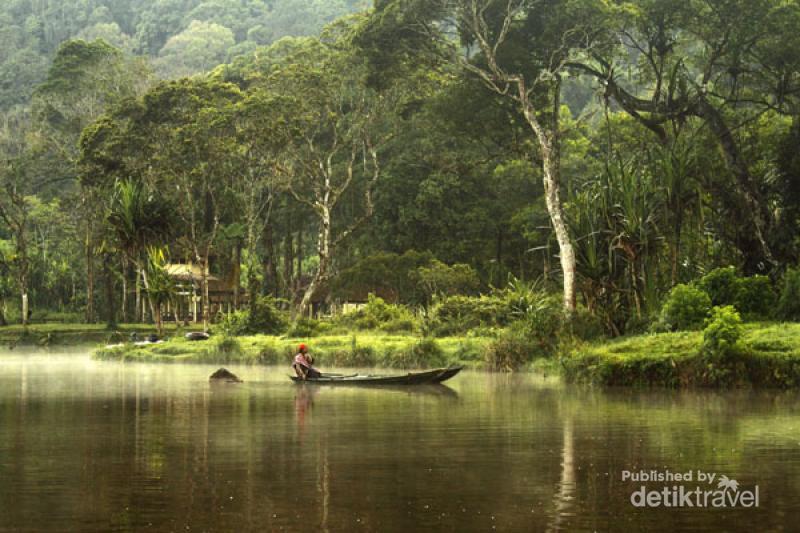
(586, 326)
(447, 280)
(721, 285)
(454, 315)
(264, 317)
(543, 323)
(685, 308)
(234, 324)
(722, 331)
(756, 297)
(752, 296)
(511, 351)
(789, 302)
(377, 314)
(387, 275)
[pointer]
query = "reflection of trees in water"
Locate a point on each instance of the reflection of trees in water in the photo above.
(566, 486)
(174, 457)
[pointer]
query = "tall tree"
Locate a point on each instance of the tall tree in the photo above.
(520, 49)
(332, 129)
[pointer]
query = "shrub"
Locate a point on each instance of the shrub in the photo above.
(686, 307)
(755, 296)
(423, 353)
(265, 317)
(458, 314)
(509, 352)
(722, 332)
(377, 314)
(721, 285)
(441, 279)
(543, 323)
(385, 274)
(234, 324)
(789, 302)
(752, 296)
(303, 327)
(586, 325)
(221, 350)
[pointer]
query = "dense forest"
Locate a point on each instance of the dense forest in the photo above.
(319, 151)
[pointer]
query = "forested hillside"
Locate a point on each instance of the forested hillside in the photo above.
(417, 150)
(181, 37)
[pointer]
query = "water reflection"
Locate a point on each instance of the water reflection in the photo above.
(96, 447)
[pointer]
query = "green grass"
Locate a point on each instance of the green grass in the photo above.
(768, 355)
(364, 349)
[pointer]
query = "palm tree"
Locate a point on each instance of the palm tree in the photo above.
(161, 288)
(138, 219)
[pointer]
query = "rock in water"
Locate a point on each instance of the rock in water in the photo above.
(223, 374)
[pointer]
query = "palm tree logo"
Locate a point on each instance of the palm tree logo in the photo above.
(725, 484)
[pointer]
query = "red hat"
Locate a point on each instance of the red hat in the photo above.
(302, 348)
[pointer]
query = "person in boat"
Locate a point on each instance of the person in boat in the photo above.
(303, 362)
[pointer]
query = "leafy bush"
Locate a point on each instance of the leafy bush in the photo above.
(511, 351)
(752, 296)
(234, 324)
(444, 280)
(265, 317)
(304, 327)
(385, 274)
(543, 323)
(586, 325)
(377, 314)
(721, 285)
(755, 296)
(454, 315)
(722, 332)
(685, 308)
(789, 302)
(425, 353)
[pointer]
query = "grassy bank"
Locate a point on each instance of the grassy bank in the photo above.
(358, 350)
(768, 355)
(57, 334)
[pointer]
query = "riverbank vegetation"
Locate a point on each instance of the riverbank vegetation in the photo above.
(544, 177)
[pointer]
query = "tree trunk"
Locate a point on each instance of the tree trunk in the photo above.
(676, 250)
(270, 263)
(237, 273)
(556, 211)
(159, 321)
(25, 309)
(204, 287)
(299, 272)
(752, 242)
(109, 282)
(550, 150)
(3, 321)
(124, 292)
(89, 274)
(324, 252)
(155, 316)
(288, 266)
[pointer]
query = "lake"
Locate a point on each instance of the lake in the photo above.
(97, 446)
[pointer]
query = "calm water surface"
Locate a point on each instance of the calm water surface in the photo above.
(93, 446)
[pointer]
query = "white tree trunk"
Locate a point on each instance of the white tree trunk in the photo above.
(324, 252)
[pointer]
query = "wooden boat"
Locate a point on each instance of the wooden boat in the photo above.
(437, 375)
